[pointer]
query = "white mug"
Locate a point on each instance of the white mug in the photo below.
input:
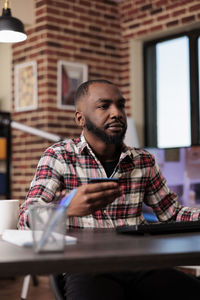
(9, 210)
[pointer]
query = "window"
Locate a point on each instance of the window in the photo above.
(172, 91)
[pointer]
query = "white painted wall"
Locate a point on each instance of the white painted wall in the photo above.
(137, 97)
(23, 10)
(5, 77)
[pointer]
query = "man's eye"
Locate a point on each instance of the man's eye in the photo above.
(104, 106)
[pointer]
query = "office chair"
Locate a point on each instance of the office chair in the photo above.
(57, 285)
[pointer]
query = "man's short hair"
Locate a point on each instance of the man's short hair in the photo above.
(82, 90)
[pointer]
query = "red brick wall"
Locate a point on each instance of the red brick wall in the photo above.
(77, 31)
(143, 19)
(94, 32)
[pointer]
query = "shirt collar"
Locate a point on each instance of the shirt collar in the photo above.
(126, 151)
(83, 145)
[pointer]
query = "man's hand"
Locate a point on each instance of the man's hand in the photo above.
(91, 197)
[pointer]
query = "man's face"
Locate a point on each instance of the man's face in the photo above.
(104, 113)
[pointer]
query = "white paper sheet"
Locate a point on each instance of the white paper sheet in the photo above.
(24, 238)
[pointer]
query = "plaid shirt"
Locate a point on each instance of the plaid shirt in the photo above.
(69, 164)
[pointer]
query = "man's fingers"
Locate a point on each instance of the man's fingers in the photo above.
(92, 197)
(104, 197)
(105, 192)
(101, 203)
(100, 186)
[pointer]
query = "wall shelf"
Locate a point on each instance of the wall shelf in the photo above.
(5, 155)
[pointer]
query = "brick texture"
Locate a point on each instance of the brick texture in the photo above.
(94, 32)
(76, 31)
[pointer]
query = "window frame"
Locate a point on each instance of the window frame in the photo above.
(150, 100)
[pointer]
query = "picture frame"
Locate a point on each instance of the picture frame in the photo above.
(70, 75)
(25, 86)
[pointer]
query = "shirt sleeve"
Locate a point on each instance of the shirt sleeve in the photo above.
(46, 182)
(163, 201)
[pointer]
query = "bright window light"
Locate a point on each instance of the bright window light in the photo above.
(173, 93)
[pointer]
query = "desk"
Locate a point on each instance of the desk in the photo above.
(104, 251)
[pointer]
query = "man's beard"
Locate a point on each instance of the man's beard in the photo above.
(115, 139)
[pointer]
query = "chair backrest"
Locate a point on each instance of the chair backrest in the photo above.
(57, 285)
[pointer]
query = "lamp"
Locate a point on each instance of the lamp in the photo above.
(11, 29)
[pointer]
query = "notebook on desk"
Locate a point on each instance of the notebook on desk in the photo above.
(161, 228)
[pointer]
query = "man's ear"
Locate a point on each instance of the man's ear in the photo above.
(79, 118)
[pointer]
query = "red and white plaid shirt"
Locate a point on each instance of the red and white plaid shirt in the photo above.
(69, 164)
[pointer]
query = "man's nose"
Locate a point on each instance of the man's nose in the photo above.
(115, 112)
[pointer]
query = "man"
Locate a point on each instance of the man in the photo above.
(100, 152)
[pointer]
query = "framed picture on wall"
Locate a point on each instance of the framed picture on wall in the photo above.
(70, 76)
(25, 86)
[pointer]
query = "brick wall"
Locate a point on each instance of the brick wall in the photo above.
(145, 19)
(94, 32)
(77, 31)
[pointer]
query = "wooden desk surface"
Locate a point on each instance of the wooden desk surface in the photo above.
(104, 251)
